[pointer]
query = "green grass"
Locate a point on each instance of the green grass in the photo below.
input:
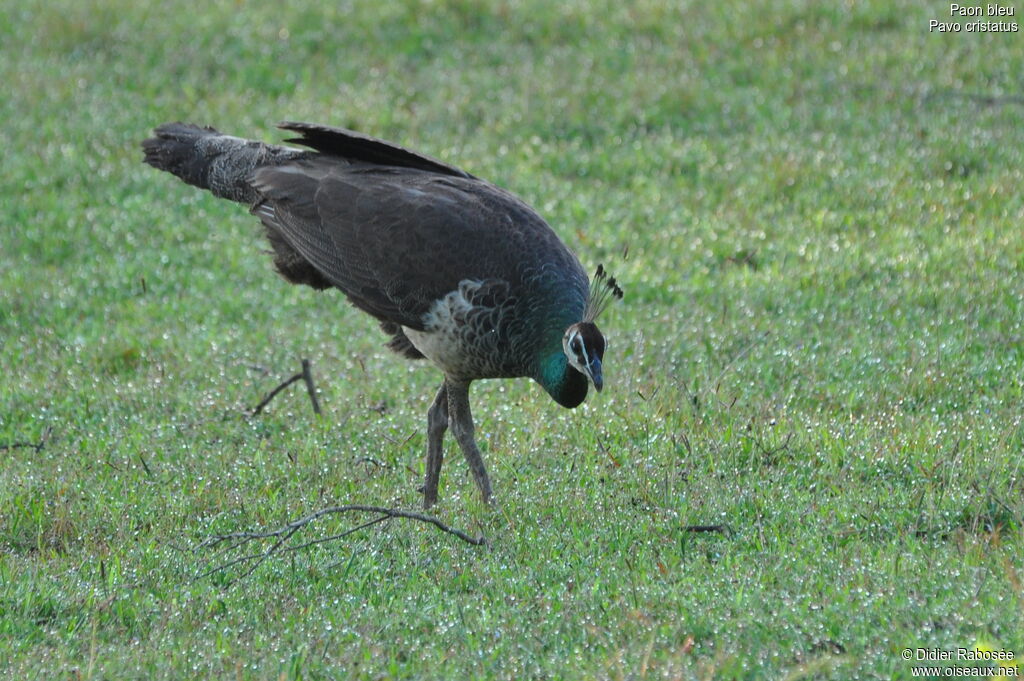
(820, 347)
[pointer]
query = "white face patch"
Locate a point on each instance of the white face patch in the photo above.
(576, 351)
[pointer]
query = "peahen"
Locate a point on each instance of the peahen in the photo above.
(455, 269)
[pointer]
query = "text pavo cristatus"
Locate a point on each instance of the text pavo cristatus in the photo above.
(456, 269)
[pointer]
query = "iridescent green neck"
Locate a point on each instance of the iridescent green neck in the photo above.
(566, 386)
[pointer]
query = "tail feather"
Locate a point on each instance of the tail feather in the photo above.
(204, 158)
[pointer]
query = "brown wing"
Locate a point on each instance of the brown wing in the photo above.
(397, 239)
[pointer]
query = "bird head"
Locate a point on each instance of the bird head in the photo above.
(583, 344)
(567, 376)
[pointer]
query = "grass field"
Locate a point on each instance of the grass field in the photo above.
(820, 347)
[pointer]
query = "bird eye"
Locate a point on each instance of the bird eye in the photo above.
(577, 346)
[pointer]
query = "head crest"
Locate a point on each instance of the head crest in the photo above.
(603, 289)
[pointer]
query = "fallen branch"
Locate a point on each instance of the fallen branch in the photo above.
(236, 540)
(305, 375)
(38, 446)
(768, 453)
(979, 97)
(724, 529)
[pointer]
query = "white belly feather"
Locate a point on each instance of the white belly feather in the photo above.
(443, 339)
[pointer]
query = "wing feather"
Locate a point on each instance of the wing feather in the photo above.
(355, 146)
(397, 239)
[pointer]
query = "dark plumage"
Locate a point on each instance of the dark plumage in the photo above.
(454, 268)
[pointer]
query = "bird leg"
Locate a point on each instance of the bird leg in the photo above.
(437, 424)
(461, 421)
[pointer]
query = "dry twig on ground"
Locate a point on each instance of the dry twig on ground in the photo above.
(305, 375)
(38, 446)
(281, 535)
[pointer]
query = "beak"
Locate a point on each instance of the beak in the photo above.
(594, 373)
